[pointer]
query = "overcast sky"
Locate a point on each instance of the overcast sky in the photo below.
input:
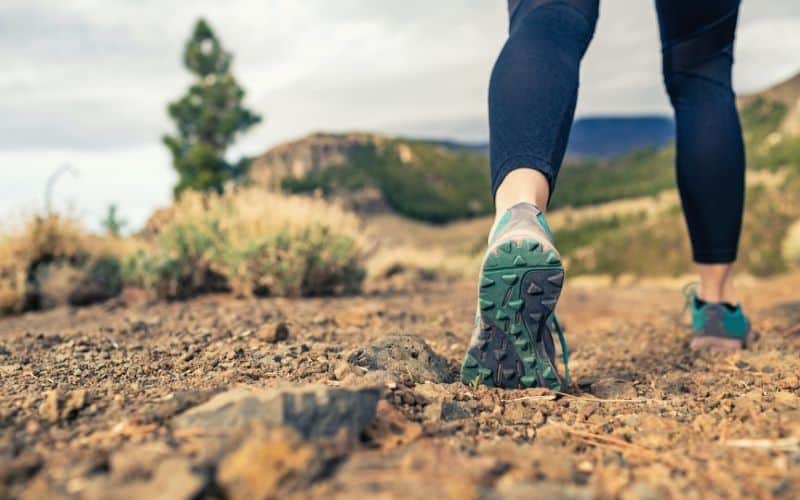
(86, 82)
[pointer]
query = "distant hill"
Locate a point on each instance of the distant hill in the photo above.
(439, 181)
(604, 136)
(785, 95)
(427, 180)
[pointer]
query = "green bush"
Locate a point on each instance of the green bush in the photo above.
(251, 242)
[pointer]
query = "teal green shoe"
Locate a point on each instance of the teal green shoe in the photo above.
(717, 325)
(520, 282)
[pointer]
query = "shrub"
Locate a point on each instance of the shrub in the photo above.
(790, 247)
(407, 266)
(251, 242)
(49, 260)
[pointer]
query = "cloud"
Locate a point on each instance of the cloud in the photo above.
(95, 75)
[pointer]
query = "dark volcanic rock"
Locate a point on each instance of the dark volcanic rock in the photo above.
(450, 410)
(274, 333)
(403, 355)
(313, 411)
(172, 477)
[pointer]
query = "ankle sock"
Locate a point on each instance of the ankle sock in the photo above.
(698, 302)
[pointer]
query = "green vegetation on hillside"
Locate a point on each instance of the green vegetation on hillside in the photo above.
(659, 245)
(571, 239)
(768, 148)
(645, 172)
(760, 118)
(439, 183)
(434, 183)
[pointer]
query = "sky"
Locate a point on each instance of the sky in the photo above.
(86, 82)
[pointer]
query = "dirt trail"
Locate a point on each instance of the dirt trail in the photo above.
(94, 401)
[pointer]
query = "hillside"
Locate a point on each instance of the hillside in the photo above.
(443, 181)
(604, 136)
(432, 181)
(605, 239)
(634, 243)
(439, 181)
(786, 94)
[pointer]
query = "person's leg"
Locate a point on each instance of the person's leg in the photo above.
(697, 49)
(532, 97)
(697, 40)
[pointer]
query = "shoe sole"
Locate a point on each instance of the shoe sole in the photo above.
(519, 288)
(720, 343)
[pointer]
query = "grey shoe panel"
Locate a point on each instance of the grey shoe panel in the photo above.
(523, 222)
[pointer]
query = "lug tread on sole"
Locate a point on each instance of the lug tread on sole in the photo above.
(538, 308)
(510, 350)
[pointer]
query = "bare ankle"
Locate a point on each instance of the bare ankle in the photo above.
(523, 185)
(716, 283)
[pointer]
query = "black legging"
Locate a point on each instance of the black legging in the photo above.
(534, 87)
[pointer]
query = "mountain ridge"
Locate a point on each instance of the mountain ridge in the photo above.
(442, 180)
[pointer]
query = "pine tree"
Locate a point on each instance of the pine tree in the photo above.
(208, 117)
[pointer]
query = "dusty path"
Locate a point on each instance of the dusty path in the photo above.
(90, 398)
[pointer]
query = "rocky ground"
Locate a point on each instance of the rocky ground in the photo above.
(221, 397)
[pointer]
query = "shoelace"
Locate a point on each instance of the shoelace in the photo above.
(689, 294)
(564, 349)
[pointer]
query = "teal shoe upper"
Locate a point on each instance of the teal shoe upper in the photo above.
(716, 319)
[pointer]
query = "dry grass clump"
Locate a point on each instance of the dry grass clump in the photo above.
(416, 264)
(251, 242)
(49, 260)
(790, 247)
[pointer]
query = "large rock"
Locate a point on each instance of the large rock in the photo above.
(312, 411)
(403, 355)
(172, 477)
(274, 463)
(59, 406)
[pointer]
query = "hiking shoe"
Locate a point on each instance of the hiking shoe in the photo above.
(520, 282)
(717, 325)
